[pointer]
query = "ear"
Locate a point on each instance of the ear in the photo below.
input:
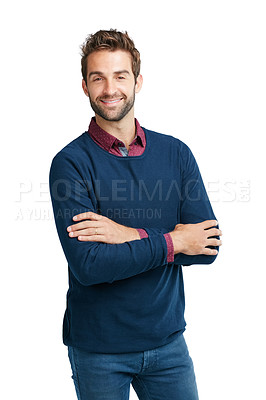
(139, 82)
(84, 87)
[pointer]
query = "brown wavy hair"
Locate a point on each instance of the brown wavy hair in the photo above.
(109, 40)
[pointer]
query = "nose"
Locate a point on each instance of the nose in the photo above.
(109, 87)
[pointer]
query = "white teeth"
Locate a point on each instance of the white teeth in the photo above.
(110, 101)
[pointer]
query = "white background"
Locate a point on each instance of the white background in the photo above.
(204, 67)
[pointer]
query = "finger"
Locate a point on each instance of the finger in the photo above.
(87, 215)
(178, 226)
(209, 252)
(214, 232)
(92, 238)
(83, 225)
(85, 232)
(210, 223)
(214, 242)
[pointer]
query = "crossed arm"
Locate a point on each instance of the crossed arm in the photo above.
(117, 252)
(189, 239)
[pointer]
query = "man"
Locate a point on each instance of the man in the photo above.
(130, 209)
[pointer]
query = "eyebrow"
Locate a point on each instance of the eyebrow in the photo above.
(122, 71)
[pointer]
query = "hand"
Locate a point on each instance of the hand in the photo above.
(193, 239)
(98, 228)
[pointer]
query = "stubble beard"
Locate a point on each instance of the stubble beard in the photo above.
(111, 115)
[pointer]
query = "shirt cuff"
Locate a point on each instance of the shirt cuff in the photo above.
(170, 247)
(142, 233)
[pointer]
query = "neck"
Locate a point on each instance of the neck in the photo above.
(124, 130)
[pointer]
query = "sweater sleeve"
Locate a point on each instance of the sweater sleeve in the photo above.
(195, 206)
(95, 262)
(170, 247)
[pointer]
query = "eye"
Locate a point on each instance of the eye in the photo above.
(97, 79)
(121, 77)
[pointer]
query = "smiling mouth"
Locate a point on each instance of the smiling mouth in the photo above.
(111, 101)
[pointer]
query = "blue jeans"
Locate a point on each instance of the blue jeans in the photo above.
(163, 373)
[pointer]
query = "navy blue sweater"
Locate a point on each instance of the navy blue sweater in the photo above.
(126, 297)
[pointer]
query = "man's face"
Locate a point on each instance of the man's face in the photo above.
(111, 84)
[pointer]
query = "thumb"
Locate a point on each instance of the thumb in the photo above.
(178, 226)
